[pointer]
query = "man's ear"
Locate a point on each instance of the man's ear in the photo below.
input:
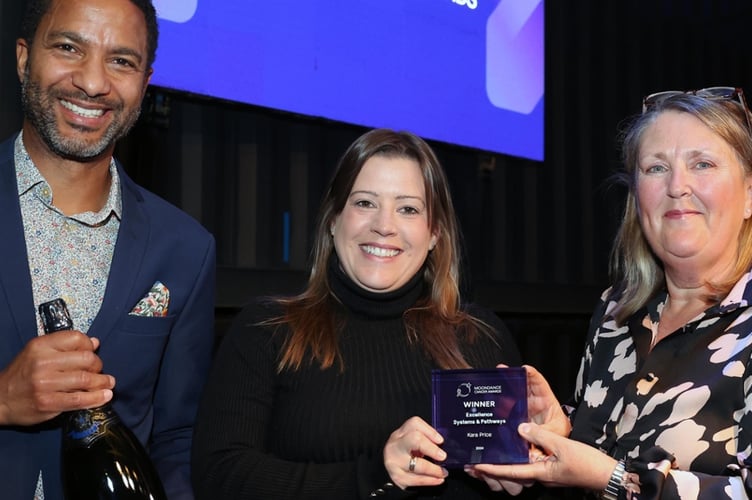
(147, 79)
(22, 58)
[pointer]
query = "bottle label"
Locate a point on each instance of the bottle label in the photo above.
(86, 426)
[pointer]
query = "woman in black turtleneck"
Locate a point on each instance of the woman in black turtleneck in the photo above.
(328, 394)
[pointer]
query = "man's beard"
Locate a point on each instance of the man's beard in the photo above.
(38, 108)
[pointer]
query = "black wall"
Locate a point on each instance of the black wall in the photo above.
(537, 234)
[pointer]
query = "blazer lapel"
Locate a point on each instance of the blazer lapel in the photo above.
(15, 281)
(130, 250)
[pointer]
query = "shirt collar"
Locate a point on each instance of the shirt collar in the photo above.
(740, 296)
(28, 177)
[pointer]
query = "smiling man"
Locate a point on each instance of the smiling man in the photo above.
(76, 226)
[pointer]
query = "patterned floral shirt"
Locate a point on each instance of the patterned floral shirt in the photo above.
(679, 413)
(69, 256)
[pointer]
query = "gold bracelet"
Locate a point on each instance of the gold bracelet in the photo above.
(615, 483)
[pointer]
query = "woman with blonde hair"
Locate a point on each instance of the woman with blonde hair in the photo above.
(663, 401)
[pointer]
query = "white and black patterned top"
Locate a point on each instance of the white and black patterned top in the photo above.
(689, 398)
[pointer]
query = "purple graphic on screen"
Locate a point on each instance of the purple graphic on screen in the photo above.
(179, 11)
(464, 72)
(514, 55)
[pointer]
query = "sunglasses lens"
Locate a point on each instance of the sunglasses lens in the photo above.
(718, 93)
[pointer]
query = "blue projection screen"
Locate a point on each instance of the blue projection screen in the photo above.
(466, 72)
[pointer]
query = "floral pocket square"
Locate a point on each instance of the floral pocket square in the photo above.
(154, 303)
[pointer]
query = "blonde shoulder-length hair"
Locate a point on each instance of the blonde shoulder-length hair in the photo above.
(636, 272)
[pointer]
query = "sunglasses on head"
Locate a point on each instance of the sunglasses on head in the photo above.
(712, 93)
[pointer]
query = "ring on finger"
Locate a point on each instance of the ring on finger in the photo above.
(411, 464)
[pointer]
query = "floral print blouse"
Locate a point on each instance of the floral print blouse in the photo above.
(680, 414)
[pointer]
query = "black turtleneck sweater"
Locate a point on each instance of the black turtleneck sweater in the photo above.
(316, 433)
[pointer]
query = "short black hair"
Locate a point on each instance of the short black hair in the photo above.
(36, 9)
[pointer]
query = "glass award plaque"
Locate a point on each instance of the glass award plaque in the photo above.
(477, 412)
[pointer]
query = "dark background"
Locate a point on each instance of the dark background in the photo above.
(537, 235)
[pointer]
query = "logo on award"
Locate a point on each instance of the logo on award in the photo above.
(464, 389)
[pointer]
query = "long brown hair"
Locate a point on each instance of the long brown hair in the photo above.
(636, 271)
(436, 320)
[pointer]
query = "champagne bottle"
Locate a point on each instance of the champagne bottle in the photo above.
(101, 457)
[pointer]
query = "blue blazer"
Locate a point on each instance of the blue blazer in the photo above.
(159, 363)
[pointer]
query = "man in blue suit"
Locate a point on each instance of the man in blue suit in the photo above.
(136, 272)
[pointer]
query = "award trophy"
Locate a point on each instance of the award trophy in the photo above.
(477, 412)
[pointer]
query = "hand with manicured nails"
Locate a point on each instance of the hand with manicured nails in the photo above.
(564, 462)
(543, 409)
